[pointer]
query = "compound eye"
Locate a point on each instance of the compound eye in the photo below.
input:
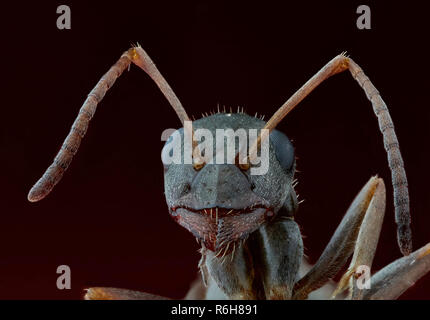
(284, 149)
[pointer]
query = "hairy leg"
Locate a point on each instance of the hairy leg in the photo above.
(234, 274)
(366, 244)
(394, 279)
(104, 293)
(341, 245)
(265, 266)
(280, 252)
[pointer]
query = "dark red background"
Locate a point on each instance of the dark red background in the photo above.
(107, 219)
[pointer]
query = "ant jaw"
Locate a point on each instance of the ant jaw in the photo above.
(217, 228)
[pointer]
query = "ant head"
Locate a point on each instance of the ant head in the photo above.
(222, 202)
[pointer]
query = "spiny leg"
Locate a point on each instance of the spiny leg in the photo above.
(104, 293)
(341, 245)
(265, 266)
(279, 251)
(366, 244)
(71, 144)
(393, 280)
(234, 274)
(323, 293)
(398, 176)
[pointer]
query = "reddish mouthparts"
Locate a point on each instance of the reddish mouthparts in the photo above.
(220, 229)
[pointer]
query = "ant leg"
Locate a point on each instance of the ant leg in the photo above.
(278, 257)
(394, 279)
(265, 266)
(341, 245)
(365, 246)
(104, 293)
(234, 274)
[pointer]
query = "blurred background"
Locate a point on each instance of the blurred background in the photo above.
(108, 219)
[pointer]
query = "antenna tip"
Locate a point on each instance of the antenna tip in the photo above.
(35, 195)
(404, 239)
